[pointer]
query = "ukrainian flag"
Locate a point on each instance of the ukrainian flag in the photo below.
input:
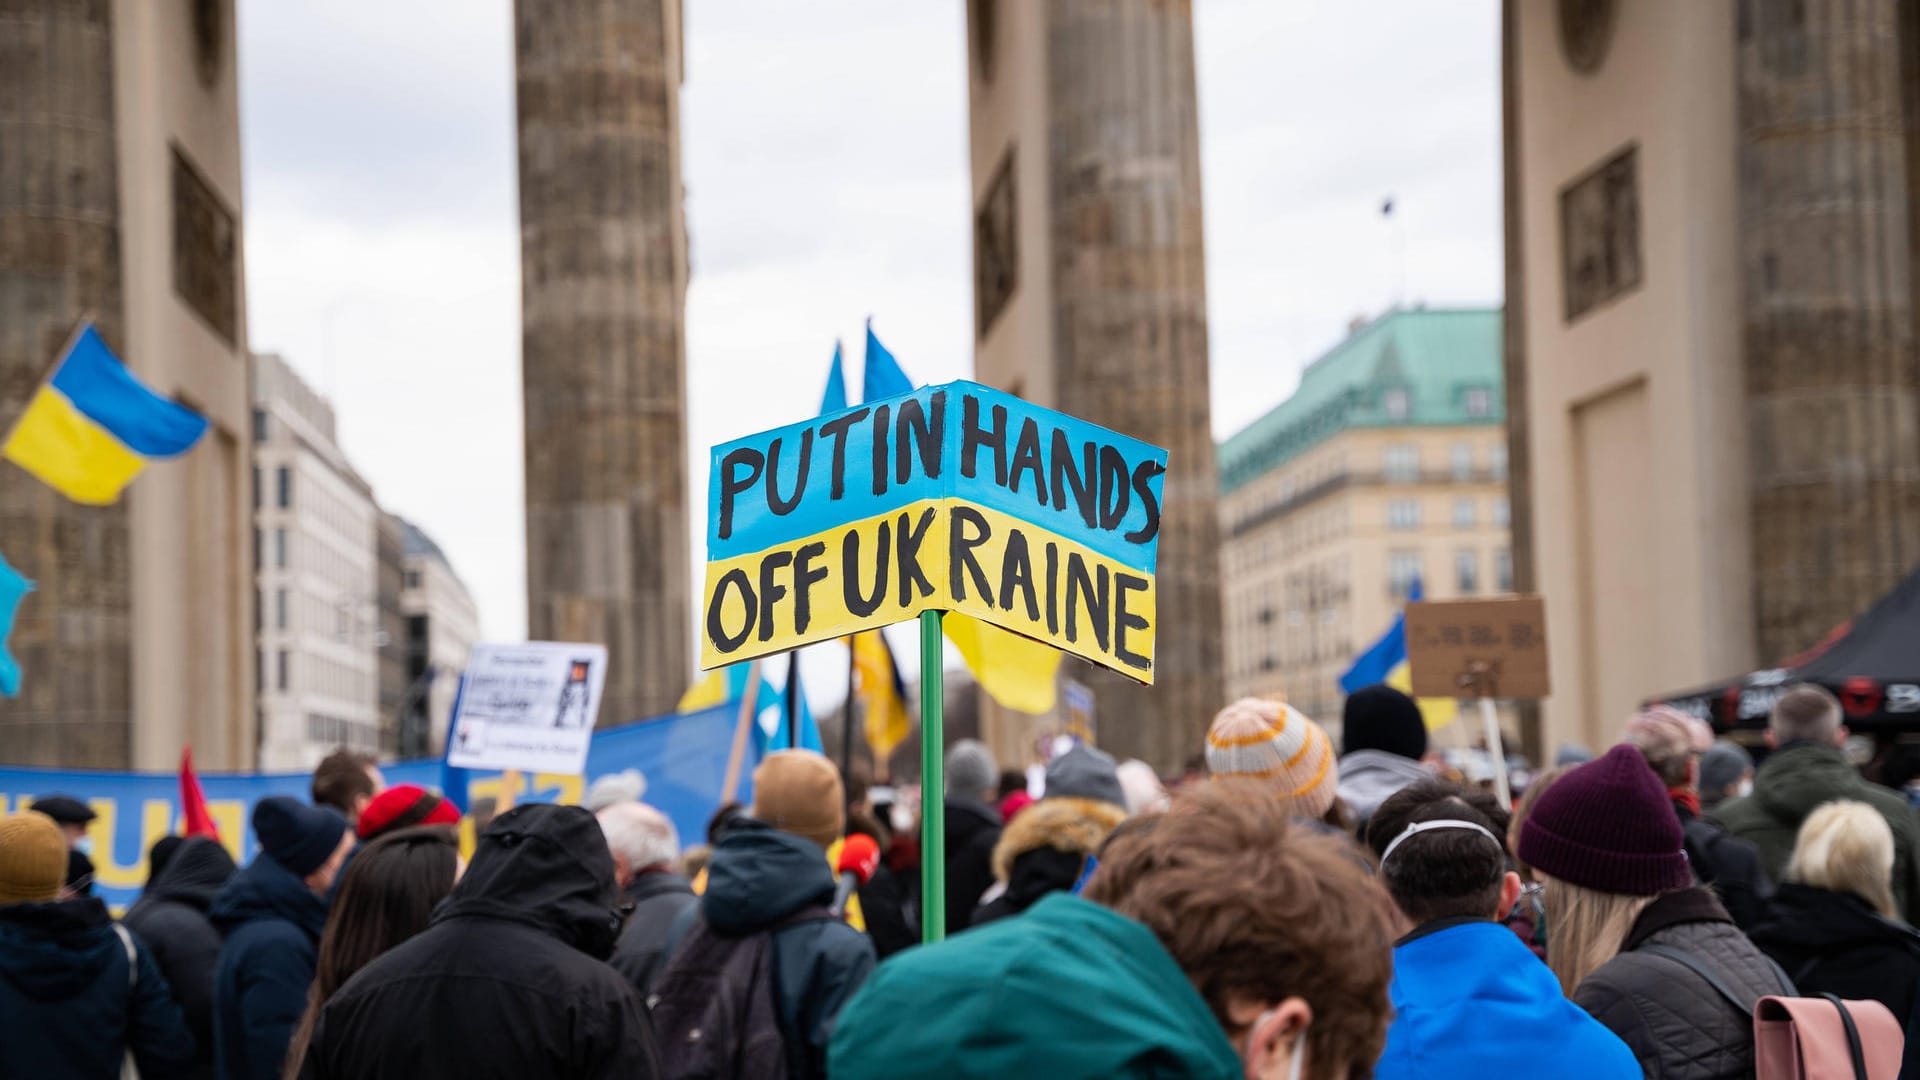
(1385, 661)
(92, 427)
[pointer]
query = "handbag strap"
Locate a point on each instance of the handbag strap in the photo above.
(1744, 1008)
(1853, 1038)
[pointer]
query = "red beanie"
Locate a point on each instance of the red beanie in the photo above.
(1608, 825)
(402, 807)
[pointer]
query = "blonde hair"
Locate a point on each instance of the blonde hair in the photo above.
(1585, 928)
(1846, 846)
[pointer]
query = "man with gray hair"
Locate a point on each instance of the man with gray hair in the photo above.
(1806, 770)
(973, 828)
(645, 847)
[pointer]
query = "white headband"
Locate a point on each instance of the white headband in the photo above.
(1430, 826)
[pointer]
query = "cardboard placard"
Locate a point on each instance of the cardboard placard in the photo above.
(1478, 648)
(954, 497)
(530, 706)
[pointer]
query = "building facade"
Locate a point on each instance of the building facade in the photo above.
(603, 253)
(1716, 432)
(1387, 464)
(390, 561)
(316, 529)
(120, 200)
(1090, 298)
(442, 623)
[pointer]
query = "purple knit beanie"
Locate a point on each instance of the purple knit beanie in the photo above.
(1608, 825)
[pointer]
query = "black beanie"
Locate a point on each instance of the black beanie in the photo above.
(299, 837)
(1379, 717)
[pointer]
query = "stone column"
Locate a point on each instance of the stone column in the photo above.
(1831, 380)
(603, 301)
(60, 258)
(1130, 325)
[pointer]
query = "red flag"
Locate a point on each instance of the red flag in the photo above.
(195, 820)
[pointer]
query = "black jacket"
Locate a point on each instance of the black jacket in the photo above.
(71, 1007)
(508, 980)
(973, 828)
(1833, 943)
(1045, 849)
(1729, 864)
(890, 904)
(171, 919)
(1675, 1023)
(271, 923)
(759, 877)
(658, 898)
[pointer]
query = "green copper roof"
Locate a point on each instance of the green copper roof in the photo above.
(1435, 357)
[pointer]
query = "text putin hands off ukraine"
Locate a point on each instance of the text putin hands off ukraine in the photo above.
(954, 497)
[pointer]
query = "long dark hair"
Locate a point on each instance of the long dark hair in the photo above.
(386, 896)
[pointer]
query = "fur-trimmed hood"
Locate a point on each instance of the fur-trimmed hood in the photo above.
(1070, 825)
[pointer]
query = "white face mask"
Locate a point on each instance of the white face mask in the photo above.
(1745, 789)
(84, 846)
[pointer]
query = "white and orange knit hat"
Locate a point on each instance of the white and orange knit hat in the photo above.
(1259, 739)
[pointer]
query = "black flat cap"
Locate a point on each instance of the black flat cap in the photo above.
(64, 809)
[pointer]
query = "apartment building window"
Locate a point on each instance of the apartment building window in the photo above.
(1402, 464)
(413, 579)
(1462, 462)
(281, 675)
(1503, 571)
(1497, 461)
(1464, 514)
(283, 487)
(1403, 569)
(1396, 403)
(1466, 571)
(1502, 512)
(280, 548)
(1478, 402)
(1403, 514)
(280, 609)
(259, 425)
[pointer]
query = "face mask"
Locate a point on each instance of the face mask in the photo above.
(84, 846)
(1745, 789)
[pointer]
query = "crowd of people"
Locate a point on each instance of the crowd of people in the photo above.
(1292, 908)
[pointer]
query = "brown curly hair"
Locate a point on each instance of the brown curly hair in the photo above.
(1255, 907)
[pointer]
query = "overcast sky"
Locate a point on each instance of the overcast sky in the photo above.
(825, 157)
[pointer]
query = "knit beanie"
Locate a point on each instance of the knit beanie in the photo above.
(1608, 825)
(404, 806)
(1084, 773)
(1256, 738)
(1379, 717)
(799, 792)
(33, 859)
(299, 837)
(971, 770)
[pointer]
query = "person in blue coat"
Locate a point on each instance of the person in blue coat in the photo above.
(1470, 1000)
(270, 916)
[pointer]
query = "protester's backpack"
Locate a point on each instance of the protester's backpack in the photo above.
(1811, 1038)
(716, 1012)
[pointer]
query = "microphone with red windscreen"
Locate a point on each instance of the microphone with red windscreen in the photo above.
(859, 858)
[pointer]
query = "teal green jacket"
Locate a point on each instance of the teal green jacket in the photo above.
(1068, 990)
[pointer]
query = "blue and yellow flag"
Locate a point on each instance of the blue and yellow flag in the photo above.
(92, 427)
(1385, 661)
(883, 377)
(886, 723)
(834, 399)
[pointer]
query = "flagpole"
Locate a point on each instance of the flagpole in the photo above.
(73, 338)
(793, 699)
(933, 802)
(741, 727)
(846, 720)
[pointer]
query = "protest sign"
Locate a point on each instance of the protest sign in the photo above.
(951, 498)
(529, 706)
(1478, 648)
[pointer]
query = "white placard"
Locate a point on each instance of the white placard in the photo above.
(529, 706)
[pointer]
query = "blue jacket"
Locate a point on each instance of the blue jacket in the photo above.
(1470, 1001)
(271, 923)
(70, 1006)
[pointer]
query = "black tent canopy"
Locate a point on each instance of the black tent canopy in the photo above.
(1871, 663)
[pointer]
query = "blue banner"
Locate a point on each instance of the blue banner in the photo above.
(684, 759)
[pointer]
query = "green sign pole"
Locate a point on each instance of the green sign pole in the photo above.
(933, 796)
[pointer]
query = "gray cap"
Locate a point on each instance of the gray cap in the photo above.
(1085, 773)
(971, 770)
(1722, 766)
(1572, 754)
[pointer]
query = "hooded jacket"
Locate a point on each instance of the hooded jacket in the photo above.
(973, 828)
(71, 1007)
(1470, 1001)
(1676, 1024)
(171, 919)
(508, 980)
(271, 923)
(1369, 777)
(758, 878)
(1068, 991)
(658, 898)
(1791, 784)
(1044, 850)
(1833, 943)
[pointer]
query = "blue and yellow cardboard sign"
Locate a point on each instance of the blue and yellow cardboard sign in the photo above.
(956, 498)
